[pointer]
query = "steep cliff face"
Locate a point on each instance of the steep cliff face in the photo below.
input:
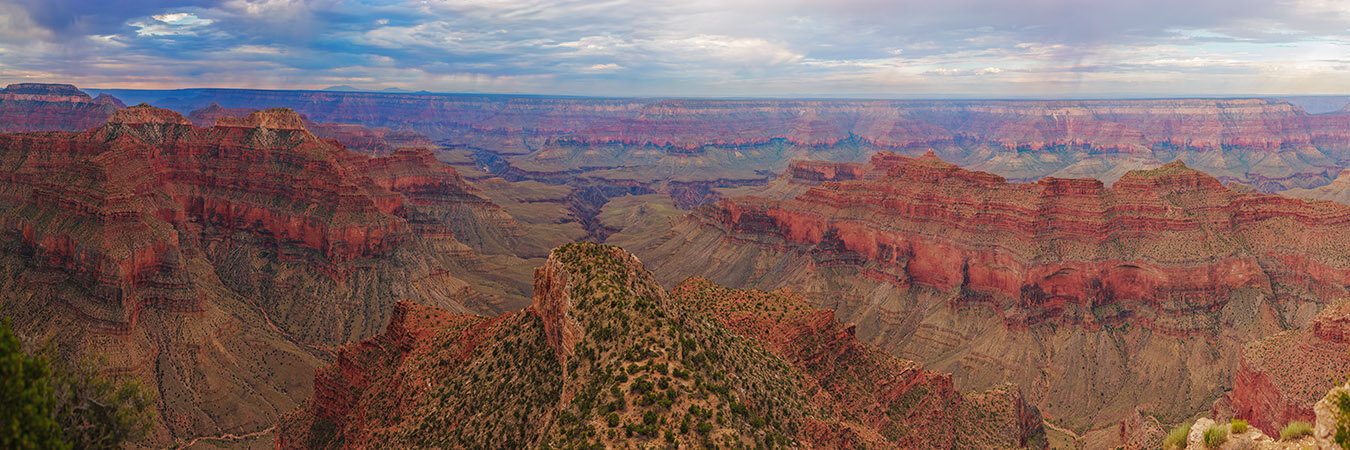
(1083, 294)
(52, 107)
(218, 263)
(606, 356)
(1282, 377)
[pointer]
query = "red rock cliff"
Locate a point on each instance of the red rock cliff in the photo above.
(113, 206)
(1270, 144)
(1283, 376)
(1155, 237)
(52, 107)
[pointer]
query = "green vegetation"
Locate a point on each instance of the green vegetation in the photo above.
(1341, 402)
(1295, 430)
(1216, 435)
(27, 419)
(1237, 426)
(53, 404)
(97, 411)
(609, 359)
(1176, 439)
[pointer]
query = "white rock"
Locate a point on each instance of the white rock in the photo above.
(1197, 436)
(1324, 431)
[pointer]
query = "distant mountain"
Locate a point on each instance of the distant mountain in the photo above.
(342, 88)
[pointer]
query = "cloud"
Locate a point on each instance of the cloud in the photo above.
(693, 47)
(174, 24)
(602, 68)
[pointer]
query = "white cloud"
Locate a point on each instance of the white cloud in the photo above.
(697, 47)
(170, 24)
(602, 68)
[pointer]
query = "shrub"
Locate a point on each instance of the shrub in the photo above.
(739, 408)
(1216, 435)
(27, 415)
(1295, 430)
(97, 410)
(1176, 439)
(1341, 402)
(612, 419)
(52, 403)
(1237, 426)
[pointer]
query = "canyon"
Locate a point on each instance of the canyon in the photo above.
(1100, 302)
(1109, 266)
(605, 356)
(1267, 143)
(221, 265)
(690, 149)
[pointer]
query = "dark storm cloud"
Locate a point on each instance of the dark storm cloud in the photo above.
(697, 47)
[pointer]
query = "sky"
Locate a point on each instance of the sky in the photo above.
(690, 48)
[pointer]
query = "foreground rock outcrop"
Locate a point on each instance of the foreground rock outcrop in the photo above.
(606, 356)
(219, 264)
(1097, 300)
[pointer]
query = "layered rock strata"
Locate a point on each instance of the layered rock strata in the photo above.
(1083, 294)
(374, 142)
(52, 107)
(218, 264)
(1270, 144)
(1282, 377)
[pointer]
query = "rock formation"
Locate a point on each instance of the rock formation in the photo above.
(1270, 144)
(218, 264)
(374, 142)
(52, 107)
(691, 150)
(1096, 300)
(606, 356)
(1281, 377)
